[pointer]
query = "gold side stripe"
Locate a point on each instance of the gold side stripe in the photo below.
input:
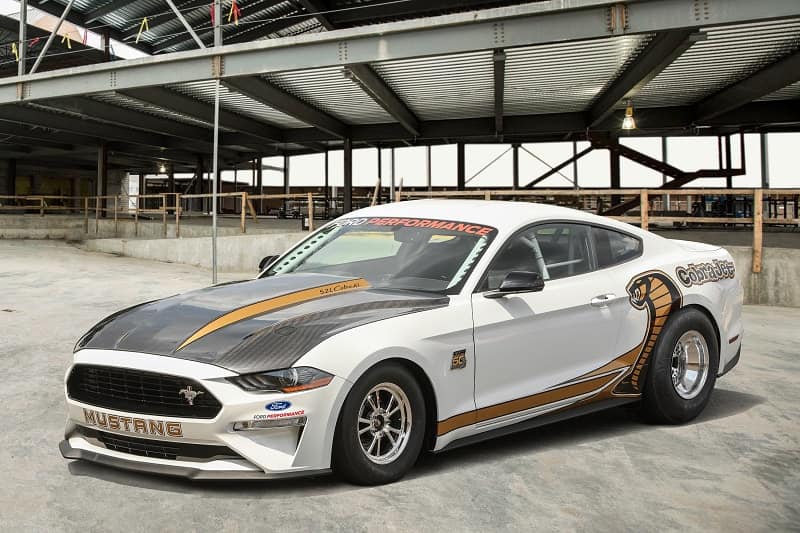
(265, 306)
(522, 404)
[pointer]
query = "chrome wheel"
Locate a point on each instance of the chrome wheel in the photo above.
(384, 423)
(690, 362)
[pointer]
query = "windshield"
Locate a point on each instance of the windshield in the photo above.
(394, 253)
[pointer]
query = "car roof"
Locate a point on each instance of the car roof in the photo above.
(503, 215)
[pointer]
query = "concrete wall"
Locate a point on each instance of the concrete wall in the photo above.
(778, 283)
(240, 253)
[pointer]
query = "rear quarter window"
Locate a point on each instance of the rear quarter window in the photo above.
(614, 247)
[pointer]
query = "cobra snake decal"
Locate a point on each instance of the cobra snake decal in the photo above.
(655, 292)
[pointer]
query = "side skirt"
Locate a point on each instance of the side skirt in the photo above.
(537, 421)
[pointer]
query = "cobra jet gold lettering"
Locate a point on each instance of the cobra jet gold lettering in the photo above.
(700, 273)
(143, 426)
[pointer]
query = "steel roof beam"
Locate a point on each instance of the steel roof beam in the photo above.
(378, 90)
(526, 24)
(107, 9)
(769, 79)
(165, 17)
(499, 61)
(659, 53)
(186, 105)
(269, 95)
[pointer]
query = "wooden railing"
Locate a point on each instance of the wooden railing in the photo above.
(678, 205)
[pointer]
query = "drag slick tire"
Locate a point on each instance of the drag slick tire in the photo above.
(381, 427)
(683, 369)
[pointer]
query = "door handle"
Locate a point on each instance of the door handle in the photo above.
(602, 300)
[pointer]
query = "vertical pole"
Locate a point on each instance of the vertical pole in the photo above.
(575, 165)
(178, 208)
(327, 184)
(348, 175)
(460, 167)
(96, 215)
(645, 209)
(428, 168)
(311, 211)
(260, 183)
(86, 214)
(198, 184)
(116, 216)
(164, 214)
(728, 162)
(22, 44)
(215, 165)
(286, 185)
(102, 172)
(171, 179)
(217, 23)
(764, 161)
(515, 167)
(757, 235)
(614, 170)
(243, 213)
(664, 176)
(378, 192)
(391, 175)
(105, 42)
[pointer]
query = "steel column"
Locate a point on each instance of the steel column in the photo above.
(764, 161)
(348, 175)
(515, 166)
(22, 42)
(728, 162)
(460, 167)
(286, 184)
(428, 170)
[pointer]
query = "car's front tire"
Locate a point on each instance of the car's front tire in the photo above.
(683, 369)
(381, 427)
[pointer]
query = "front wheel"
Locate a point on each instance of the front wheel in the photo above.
(683, 369)
(381, 427)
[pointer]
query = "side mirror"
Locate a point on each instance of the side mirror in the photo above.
(265, 262)
(518, 282)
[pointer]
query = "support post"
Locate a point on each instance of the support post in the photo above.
(515, 167)
(757, 233)
(311, 211)
(376, 199)
(86, 214)
(348, 175)
(217, 23)
(614, 170)
(215, 164)
(575, 165)
(243, 213)
(328, 186)
(286, 184)
(164, 214)
(22, 43)
(116, 215)
(645, 209)
(11, 185)
(260, 183)
(105, 44)
(102, 173)
(178, 209)
(728, 162)
(764, 161)
(460, 167)
(664, 176)
(391, 175)
(428, 168)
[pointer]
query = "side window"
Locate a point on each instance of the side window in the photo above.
(565, 249)
(552, 250)
(520, 253)
(613, 247)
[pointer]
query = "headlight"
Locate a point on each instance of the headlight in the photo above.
(286, 380)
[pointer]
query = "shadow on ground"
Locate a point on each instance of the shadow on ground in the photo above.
(592, 427)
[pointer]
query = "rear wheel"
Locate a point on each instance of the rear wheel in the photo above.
(381, 427)
(683, 369)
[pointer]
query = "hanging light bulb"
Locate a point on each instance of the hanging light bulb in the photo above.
(162, 168)
(628, 123)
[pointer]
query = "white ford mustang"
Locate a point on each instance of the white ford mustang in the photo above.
(427, 324)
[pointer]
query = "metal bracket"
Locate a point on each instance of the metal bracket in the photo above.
(217, 66)
(499, 31)
(343, 52)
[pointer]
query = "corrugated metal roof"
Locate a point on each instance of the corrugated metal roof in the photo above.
(789, 92)
(565, 77)
(729, 54)
(238, 103)
(328, 90)
(443, 87)
(133, 104)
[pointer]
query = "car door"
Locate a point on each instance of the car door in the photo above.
(530, 342)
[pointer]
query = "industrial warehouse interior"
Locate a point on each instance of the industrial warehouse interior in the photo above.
(160, 161)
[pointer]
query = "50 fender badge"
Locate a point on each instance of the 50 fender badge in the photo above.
(278, 406)
(459, 360)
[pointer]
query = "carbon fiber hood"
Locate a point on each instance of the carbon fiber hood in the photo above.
(195, 326)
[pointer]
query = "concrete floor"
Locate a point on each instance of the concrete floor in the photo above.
(736, 468)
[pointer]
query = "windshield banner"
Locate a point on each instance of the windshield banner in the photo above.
(445, 225)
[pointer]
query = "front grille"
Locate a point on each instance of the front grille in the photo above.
(135, 391)
(158, 448)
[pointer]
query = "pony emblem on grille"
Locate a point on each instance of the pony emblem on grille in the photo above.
(190, 394)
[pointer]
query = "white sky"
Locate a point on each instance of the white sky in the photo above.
(686, 153)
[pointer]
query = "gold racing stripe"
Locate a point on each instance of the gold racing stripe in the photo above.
(522, 404)
(272, 304)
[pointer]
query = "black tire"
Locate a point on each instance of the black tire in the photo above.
(349, 459)
(661, 402)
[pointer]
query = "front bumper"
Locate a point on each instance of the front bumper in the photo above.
(255, 454)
